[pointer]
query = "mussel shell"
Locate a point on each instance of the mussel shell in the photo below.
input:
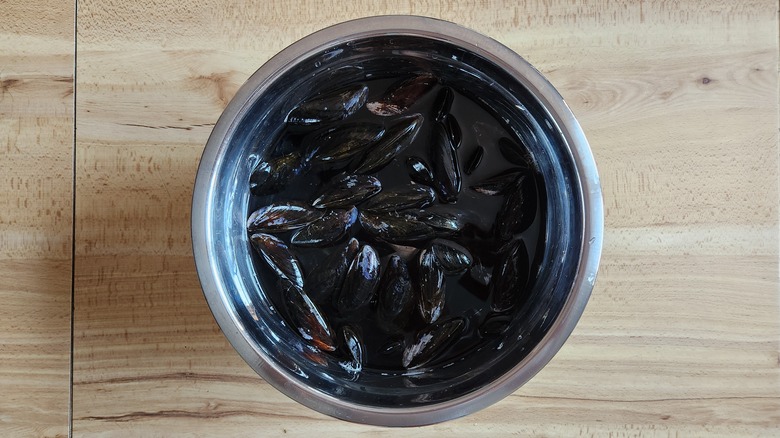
(346, 191)
(307, 319)
(444, 223)
(474, 160)
(395, 292)
(282, 217)
(327, 230)
(499, 183)
(515, 153)
(360, 283)
(395, 228)
(518, 209)
(446, 170)
(432, 286)
(454, 132)
(354, 351)
(419, 172)
(452, 257)
(510, 277)
(323, 283)
(270, 176)
(346, 141)
(443, 103)
(494, 324)
(279, 257)
(412, 196)
(401, 95)
(431, 342)
(397, 137)
(329, 106)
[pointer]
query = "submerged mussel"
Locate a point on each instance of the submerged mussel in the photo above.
(360, 283)
(395, 228)
(395, 293)
(270, 176)
(401, 198)
(306, 318)
(515, 153)
(443, 103)
(346, 141)
(510, 277)
(401, 95)
(278, 257)
(453, 130)
(452, 258)
(282, 217)
(329, 106)
(500, 182)
(518, 209)
(325, 281)
(431, 342)
(327, 230)
(353, 348)
(474, 160)
(346, 191)
(432, 286)
(398, 136)
(444, 160)
(419, 171)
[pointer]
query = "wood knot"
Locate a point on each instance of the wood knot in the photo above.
(705, 80)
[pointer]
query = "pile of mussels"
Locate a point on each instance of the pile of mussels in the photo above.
(351, 282)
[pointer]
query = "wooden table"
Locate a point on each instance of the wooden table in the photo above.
(104, 330)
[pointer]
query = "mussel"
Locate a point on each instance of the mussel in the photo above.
(346, 141)
(395, 293)
(282, 217)
(452, 258)
(432, 286)
(353, 351)
(307, 319)
(515, 153)
(270, 176)
(327, 230)
(401, 95)
(395, 228)
(360, 283)
(397, 137)
(401, 198)
(279, 257)
(329, 106)
(346, 191)
(446, 171)
(431, 342)
(510, 277)
(500, 182)
(325, 281)
(443, 103)
(419, 172)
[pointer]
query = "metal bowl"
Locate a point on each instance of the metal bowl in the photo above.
(532, 108)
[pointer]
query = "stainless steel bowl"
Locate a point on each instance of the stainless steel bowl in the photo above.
(518, 93)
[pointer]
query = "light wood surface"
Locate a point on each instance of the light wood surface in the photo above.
(36, 210)
(679, 100)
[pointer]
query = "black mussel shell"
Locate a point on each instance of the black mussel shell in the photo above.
(279, 257)
(327, 230)
(346, 191)
(282, 217)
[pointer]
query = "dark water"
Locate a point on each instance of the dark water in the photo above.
(465, 296)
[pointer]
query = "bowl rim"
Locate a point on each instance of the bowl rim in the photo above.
(591, 209)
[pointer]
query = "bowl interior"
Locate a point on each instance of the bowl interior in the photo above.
(247, 295)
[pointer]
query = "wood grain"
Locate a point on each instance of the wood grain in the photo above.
(679, 100)
(36, 176)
